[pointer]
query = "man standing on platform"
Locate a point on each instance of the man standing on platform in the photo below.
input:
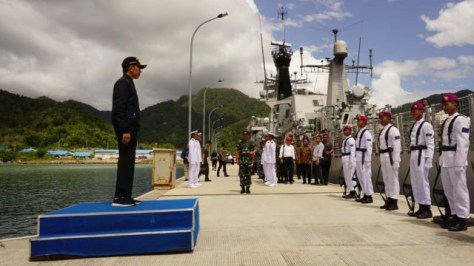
(390, 149)
(269, 160)
(363, 141)
(304, 158)
(126, 122)
(195, 159)
(421, 160)
(453, 162)
(244, 153)
(317, 149)
(348, 159)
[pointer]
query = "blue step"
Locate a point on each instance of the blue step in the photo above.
(100, 229)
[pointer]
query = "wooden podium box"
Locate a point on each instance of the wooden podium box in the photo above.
(164, 169)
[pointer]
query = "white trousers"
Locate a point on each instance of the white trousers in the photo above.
(390, 179)
(364, 174)
(455, 189)
(270, 172)
(420, 183)
(348, 171)
(193, 173)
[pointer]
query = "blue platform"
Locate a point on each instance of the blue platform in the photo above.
(100, 229)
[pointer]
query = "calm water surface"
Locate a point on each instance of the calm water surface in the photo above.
(27, 191)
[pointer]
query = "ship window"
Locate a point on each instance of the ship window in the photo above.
(315, 103)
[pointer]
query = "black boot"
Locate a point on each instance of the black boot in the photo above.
(368, 199)
(387, 202)
(449, 221)
(247, 189)
(360, 199)
(207, 179)
(242, 191)
(351, 195)
(425, 212)
(393, 205)
(458, 225)
(414, 214)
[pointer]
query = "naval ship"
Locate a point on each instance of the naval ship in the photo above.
(299, 112)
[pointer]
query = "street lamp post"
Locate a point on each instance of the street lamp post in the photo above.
(214, 134)
(211, 130)
(209, 119)
(204, 110)
(221, 15)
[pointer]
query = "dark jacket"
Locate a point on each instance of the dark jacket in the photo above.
(125, 108)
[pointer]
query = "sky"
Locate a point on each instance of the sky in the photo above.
(73, 49)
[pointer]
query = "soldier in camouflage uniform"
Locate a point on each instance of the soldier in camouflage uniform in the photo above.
(245, 153)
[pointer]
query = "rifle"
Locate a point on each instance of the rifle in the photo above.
(408, 192)
(380, 184)
(440, 191)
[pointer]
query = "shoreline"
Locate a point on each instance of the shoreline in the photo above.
(73, 161)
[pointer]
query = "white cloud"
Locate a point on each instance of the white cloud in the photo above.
(453, 26)
(73, 49)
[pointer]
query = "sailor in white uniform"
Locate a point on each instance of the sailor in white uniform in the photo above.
(453, 162)
(348, 159)
(269, 160)
(421, 136)
(194, 158)
(363, 142)
(390, 149)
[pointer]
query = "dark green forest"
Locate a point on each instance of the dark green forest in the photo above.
(43, 123)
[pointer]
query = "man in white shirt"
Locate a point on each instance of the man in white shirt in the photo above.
(390, 149)
(348, 160)
(421, 136)
(318, 149)
(287, 159)
(194, 158)
(269, 160)
(453, 162)
(363, 141)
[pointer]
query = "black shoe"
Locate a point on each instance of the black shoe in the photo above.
(414, 214)
(351, 195)
(247, 190)
(448, 222)
(367, 200)
(123, 202)
(424, 214)
(459, 225)
(207, 180)
(360, 199)
(393, 205)
(385, 205)
(226, 175)
(242, 191)
(304, 182)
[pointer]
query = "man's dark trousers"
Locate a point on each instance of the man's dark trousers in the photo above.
(126, 166)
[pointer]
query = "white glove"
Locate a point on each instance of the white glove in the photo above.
(396, 165)
(428, 163)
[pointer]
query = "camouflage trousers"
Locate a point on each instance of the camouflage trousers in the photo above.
(245, 172)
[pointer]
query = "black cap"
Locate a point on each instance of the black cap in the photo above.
(130, 61)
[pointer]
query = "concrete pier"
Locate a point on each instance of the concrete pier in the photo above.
(296, 224)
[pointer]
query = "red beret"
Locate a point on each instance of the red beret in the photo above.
(347, 126)
(362, 118)
(385, 113)
(417, 106)
(289, 138)
(449, 97)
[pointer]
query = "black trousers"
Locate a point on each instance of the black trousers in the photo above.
(325, 167)
(125, 166)
(288, 169)
(222, 165)
(305, 171)
(317, 173)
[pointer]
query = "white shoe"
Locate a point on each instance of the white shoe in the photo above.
(198, 184)
(267, 183)
(272, 185)
(192, 186)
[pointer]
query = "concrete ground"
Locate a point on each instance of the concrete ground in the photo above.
(290, 225)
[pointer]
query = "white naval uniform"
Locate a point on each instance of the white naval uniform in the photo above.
(364, 160)
(390, 168)
(453, 165)
(421, 160)
(194, 158)
(268, 161)
(348, 159)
